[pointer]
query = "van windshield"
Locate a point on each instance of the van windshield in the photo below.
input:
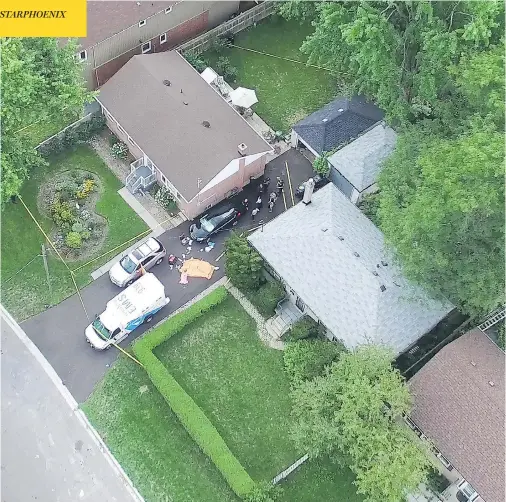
(128, 264)
(101, 330)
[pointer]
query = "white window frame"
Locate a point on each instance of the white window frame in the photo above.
(146, 43)
(79, 56)
(444, 460)
(131, 141)
(163, 38)
(142, 23)
(168, 10)
(121, 128)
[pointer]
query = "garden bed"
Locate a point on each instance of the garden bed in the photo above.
(25, 290)
(287, 91)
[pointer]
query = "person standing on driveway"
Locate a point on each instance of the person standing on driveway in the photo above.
(245, 205)
(273, 197)
(259, 203)
(270, 205)
(280, 185)
(254, 213)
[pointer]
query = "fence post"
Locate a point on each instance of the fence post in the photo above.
(46, 268)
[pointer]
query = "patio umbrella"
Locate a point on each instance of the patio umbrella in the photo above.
(243, 97)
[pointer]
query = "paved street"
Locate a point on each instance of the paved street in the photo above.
(48, 454)
(59, 332)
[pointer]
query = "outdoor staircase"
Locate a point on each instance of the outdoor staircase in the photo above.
(286, 315)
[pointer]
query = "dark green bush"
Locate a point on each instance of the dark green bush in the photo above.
(196, 60)
(264, 492)
(224, 67)
(307, 327)
(243, 264)
(436, 481)
(266, 297)
(500, 335)
(193, 419)
(369, 205)
(307, 359)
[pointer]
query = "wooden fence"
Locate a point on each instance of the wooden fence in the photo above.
(235, 25)
(86, 118)
(289, 470)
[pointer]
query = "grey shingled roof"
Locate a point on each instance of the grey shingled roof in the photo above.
(458, 409)
(360, 161)
(170, 132)
(303, 246)
(337, 123)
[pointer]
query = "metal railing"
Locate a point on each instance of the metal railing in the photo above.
(495, 317)
(135, 164)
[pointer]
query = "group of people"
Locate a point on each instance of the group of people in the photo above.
(273, 196)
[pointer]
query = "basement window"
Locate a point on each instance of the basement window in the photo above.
(168, 10)
(146, 47)
(142, 23)
(82, 56)
(163, 38)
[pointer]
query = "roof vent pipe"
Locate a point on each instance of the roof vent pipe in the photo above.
(206, 124)
(356, 254)
(383, 288)
(242, 148)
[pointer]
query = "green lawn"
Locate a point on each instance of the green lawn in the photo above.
(39, 131)
(319, 480)
(239, 383)
(149, 442)
(286, 91)
(26, 293)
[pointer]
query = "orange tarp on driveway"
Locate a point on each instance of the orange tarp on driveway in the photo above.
(197, 268)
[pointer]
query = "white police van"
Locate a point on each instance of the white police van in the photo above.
(134, 306)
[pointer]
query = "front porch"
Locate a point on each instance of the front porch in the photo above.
(286, 315)
(142, 175)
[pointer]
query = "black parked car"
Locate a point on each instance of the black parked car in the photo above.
(210, 224)
(319, 182)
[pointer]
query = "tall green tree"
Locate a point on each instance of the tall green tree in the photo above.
(243, 264)
(399, 53)
(353, 414)
(39, 79)
(442, 210)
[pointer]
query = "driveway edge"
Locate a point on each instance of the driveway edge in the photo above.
(51, 373)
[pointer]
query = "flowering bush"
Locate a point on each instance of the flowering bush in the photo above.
(73, 240)
(62, 213)
(165, 199)
(86, 188)
(120, 150)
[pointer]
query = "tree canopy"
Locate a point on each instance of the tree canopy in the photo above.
(353, 414)
(242, 263)
(401, 53)
(442, 209)
(39, 79)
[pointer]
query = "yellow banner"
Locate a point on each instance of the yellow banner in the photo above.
(42, 18)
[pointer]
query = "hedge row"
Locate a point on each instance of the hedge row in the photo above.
(194, 420)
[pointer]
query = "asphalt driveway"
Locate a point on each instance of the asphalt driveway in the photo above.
(59, 331)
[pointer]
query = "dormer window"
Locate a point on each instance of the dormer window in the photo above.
(142, 23)
(168, 10)
(82, 56)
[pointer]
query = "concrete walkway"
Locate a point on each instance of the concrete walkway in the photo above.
(129, 198)
(264, 335)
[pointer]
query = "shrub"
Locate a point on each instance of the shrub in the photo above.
(193, 419)
(369, 205)
(267, 297)
(196, 60)
(120, 150)
(113, 140)
(62, 213)
(86, 188)
(225, 68)
(307, 359)
(436, 481)
(165, 199)
(77, 227)
(306, 327)
(242, 263)
(85, 234)
(73, 240)
(264, 492)
(321, 165)
(218, 44)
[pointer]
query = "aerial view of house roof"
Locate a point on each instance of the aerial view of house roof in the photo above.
(337, 123)
(335, 260)
(106, 18)
(459, 404)
(360, 161)
(185, 127)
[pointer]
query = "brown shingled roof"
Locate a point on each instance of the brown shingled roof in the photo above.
(171, 132)
(457, 407)
(107, 18)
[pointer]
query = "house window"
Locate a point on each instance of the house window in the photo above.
(142, 23)
(146, 47)
(300, 304)
(163, 38)
(131, 140)
(444, 461)
(168, 10)
(121, 128)
(83, 56)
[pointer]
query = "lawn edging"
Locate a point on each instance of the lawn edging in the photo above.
(191, 416)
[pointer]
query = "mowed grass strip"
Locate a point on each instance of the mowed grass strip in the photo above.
(239, 383)
(26, 293)
(287, 91)
(149, 442)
